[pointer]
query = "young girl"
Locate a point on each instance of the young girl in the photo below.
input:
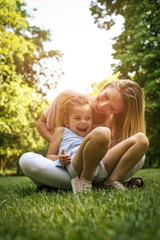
(74, 123)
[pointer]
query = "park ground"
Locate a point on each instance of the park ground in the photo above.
(100, 215)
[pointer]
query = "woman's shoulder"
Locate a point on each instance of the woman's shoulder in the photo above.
(69, 92)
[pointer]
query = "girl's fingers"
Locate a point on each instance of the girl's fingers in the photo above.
(66, 163)
(63, 151)
(65, 158)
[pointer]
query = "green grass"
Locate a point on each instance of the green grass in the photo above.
(131, 215)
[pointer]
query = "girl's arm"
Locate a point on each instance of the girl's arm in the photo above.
(54, 148)
(55, 144)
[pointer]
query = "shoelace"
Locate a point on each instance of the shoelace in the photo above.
(87, 187)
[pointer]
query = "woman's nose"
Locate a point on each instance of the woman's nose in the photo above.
(103, 104)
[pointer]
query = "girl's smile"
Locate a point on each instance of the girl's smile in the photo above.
(80, 119)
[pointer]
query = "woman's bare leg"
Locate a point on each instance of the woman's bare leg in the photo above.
(120, 159)
(91, 152)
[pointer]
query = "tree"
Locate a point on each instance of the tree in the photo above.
(19, 110)
(137, 52)
(22, 50)
(97, 87)
(22, 57)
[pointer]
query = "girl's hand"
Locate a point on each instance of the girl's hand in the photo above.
(64, 159)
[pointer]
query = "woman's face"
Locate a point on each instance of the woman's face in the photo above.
(109, 101)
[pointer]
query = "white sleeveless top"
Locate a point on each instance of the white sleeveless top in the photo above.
(70, 142)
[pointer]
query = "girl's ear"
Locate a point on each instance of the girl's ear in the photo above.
(66, 122)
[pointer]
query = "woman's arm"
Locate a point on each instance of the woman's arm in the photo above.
(47, 122)
(42, 128)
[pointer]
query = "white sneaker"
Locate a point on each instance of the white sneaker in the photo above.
(79, 185)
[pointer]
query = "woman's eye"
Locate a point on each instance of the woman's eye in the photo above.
(112, 108)
(106, 96)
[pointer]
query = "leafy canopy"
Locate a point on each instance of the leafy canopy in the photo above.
(136, 50)
(23, 66)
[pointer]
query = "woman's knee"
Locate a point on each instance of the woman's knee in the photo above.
(31, 162)
(142, 140)
(24, 160)
(101, 135)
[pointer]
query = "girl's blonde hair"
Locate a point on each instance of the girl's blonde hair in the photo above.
(65, 106)
(132, 119)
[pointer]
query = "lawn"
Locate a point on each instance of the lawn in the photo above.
(101, 215)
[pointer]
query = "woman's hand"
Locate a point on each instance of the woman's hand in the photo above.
(64, 159)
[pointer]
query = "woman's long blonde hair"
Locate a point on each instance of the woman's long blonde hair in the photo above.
(132, 119)
(65, 106)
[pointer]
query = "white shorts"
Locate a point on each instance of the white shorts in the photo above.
(101, 174)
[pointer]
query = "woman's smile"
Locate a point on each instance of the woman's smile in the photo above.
(109, 101)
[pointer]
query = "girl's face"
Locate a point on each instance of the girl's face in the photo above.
(109, 101)
(80, 119)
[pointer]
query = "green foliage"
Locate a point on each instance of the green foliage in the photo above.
(99, 215)
(137, 52)
(23, 61)
(19, 110)
(97, 87)
(22, 49)
(10, 15)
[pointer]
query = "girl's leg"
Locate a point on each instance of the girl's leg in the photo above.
(91, 151)
(43, 171)
(120, 159)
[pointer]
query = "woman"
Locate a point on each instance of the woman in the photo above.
(119, 107)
